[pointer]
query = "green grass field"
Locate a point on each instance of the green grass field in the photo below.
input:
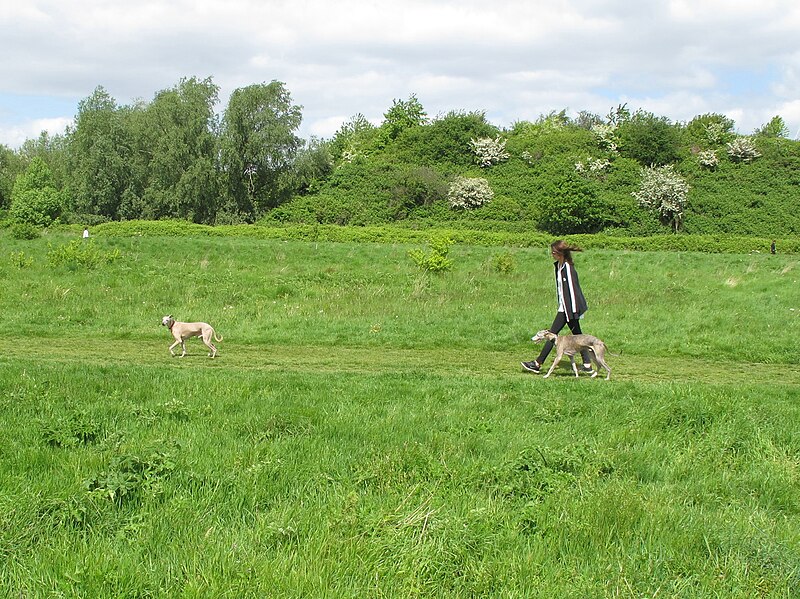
(366, 430)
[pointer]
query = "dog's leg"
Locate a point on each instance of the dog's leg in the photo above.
(600, 358)
(206, 337)
(572, 364)
(183, 346)
(173, 346)
(556, 360)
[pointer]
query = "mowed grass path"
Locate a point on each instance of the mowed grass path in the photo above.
(367, 431)
(440, 361)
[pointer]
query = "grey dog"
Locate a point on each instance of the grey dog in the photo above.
(184, 330)
(572, 344)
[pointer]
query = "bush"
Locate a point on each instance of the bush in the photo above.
(80, 254)
(20, 260)
(489, 151)
(34, 199)
(435, 259)
(444, 142)
(742, 149)
(23, 230)
(663, 191)
(128, 477)
(469, 192)
(38, 207)
(708, 159)
(648, 139)
(570, 205)
(504, 263)
(490, 237)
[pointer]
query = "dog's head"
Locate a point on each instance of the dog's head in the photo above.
(168, 321)
(543, 335)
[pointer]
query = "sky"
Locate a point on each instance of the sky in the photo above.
(514, 60)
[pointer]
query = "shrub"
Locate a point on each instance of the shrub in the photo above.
(34, 199)
(492, 237)
(570, 205)
(444, 142)
(742, 149)
(469, 192)
(80, 254)
(20, 260)
(489, 151)
(71, 430)
(708, 159)
(711, 129)
(130, 476)
(663, 191)
(23, 230)
(504, 263)
(39, 207)
(416, 186)
(593, 167)
(435, 259)
(606, 136)
(650, 140)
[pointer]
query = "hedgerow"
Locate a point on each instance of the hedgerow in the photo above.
(464, 236)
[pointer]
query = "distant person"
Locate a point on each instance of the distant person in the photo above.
(571, 303)
(772, 248)
(85, 233)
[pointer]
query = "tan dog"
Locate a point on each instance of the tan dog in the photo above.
(184, 330)
(572, 344)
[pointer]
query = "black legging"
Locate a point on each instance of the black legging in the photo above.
(558, 324)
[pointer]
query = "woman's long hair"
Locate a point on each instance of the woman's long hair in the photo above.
(563, 250)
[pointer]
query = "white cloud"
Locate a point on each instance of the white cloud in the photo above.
(15, 136)
(515, 59)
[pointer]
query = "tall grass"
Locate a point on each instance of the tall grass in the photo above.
(366, 430)
(727, 307)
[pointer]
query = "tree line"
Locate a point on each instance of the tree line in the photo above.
(172, 157)
(175, 157)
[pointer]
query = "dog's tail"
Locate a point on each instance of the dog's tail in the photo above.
(217, 338)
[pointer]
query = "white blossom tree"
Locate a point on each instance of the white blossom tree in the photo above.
(489, 151)
(708, 159)
(606, 137)
(469, 192)
(664, 191)
(742, 149)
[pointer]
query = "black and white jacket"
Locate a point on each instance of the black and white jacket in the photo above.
(570, 297)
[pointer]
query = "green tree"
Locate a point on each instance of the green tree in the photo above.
(710, 130)
(403, 115)
(775, 128)
(52, 150)
(258, 146)
(10, 167)
(34, 199)
(352, 139)
(569, 204)
(312, 165)
(99, 156)
(649, 139)
(445, 141)
(663, 191)
(175, 139)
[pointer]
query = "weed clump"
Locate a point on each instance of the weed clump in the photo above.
(130, 476)
(81, 254)
(436, 258)
(78, 428)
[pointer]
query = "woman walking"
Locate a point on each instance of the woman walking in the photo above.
(571, 303)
